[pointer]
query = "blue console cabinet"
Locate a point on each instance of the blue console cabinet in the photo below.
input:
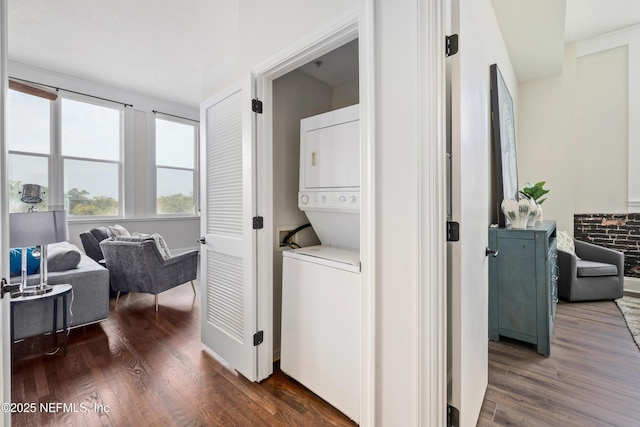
(523, 289)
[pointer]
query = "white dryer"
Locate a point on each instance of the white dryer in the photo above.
(321, 285)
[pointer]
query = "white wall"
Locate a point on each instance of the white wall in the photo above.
(573, 133)
(601, 132)
(179, 233)
(545, 136)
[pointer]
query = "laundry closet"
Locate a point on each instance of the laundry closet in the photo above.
(317, 311)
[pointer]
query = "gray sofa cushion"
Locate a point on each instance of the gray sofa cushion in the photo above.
(595, 269)
(62, 256)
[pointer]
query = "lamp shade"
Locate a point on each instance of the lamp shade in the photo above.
(37, 228)
(31, 193)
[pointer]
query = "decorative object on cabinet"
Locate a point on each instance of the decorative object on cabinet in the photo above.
(523, 284)
(504, 140)
(535, 192)
(519, 212)
(592, 272)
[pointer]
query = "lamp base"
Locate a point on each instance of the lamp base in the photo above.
(40, 289)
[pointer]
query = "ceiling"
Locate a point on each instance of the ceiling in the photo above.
(165, 48)
(535, 32)
(160, 48)
(336, 67)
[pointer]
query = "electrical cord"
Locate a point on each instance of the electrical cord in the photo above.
(286, 239)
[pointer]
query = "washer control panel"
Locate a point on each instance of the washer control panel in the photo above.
(349, 200)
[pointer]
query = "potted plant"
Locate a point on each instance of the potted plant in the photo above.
(535, 192)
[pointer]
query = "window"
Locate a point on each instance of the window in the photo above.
(176, 173)
(29, 143)
(91, 138)
(69, 141)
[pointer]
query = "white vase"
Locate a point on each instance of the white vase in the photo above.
(518, 212)
(533, 213)
(539, 217)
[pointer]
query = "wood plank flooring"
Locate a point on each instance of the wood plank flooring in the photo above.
(591, 378)
(144, 368)
(149, 368)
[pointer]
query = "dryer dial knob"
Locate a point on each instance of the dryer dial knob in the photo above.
(304, 199)
(354, 199)
(342, 198)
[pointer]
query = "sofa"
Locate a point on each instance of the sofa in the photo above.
(89, 302)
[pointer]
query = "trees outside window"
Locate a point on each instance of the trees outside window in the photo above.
(176, 160)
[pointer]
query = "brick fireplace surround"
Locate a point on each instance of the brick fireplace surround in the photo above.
(615, 231)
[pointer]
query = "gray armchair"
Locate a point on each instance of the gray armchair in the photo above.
(597, 275)
(136, 265)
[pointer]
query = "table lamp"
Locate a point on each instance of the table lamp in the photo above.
(37, 229)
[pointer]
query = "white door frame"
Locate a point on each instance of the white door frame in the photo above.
(5, 344)
(354, 22)
(432, 290)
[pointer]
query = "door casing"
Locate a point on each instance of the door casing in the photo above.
(354, 22)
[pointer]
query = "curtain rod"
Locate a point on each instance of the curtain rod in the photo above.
(173, 115)
(71, 91)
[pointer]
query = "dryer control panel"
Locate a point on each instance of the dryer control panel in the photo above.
(343, 200)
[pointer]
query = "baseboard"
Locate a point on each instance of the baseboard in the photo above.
(632, 286)
(178, 251)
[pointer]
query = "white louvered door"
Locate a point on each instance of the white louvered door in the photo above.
(228, 282)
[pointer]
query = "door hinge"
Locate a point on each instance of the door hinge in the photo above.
(256, 106)
(451, 46)
(6, 288)
(258, 337)
(453, 416)
(453, 231)
(258, 222)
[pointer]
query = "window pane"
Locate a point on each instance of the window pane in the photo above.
(27, 170)
(175, 144)
(91, 188)
(175, 191)
(90, 131)
(28, 123)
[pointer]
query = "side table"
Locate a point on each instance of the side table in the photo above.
(59, 292)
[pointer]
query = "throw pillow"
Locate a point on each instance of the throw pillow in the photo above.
(162, 246)
(15, 262)
(62, 256)
(565, 242)
(100, 233)
(117, 230)
(160, 243)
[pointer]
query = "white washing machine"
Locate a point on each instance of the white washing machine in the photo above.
(321, 285)
(321, 323)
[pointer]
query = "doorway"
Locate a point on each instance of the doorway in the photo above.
(348, 34)
(324, 84)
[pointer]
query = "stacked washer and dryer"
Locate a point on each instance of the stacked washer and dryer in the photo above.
(321, 284)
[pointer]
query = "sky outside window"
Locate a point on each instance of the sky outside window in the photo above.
(28, 123)
(90, 131)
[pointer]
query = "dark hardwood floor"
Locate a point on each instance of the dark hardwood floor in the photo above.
(149, 368)
(591, 378)
(146, 368)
